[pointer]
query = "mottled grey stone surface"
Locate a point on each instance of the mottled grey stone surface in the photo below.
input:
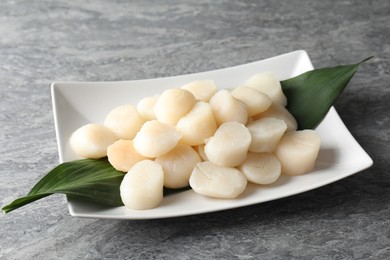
(45, 41)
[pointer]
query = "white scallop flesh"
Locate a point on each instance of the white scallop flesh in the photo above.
(297, 151)
(261, 168)
(280, 112)
(122, 155)
(146, 107)
(92, 140)
(173, 104)
(266, 133)
(216, 181)
(267, 83)
(124, 121)
(202, 90)
(197, 125)
(256, 101)
(229, 145)
(142, 187)
(227, 108)
(156, 138)
(178, 165)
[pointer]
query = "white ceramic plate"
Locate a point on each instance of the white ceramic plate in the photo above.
(79, 103)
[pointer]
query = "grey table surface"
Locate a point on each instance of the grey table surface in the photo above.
(45, 41)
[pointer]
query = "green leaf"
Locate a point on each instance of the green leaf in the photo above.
(311, 94)
(89, 179)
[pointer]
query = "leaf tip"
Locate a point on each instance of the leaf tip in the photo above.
(4, 210)
(366, 59)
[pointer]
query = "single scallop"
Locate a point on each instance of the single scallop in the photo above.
(122, 155)
(261, 168)
(156, 138)
(146, 107)
(297, 151)
(202, 90)
(142, 187)
(229, 145)
(173, 104)
(124, 121)
(216, 181)
(197, 125)
(267, 83)
(227, 108)
(92, 140)
(280, 112)
(266, 133)
(178, 165)
(256, 101)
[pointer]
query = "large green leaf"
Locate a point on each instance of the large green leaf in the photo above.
(88, 179)
(311, 94)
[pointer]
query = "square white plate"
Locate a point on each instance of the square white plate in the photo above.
(79, 103)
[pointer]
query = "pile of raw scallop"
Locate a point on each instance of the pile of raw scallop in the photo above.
(215, 141)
